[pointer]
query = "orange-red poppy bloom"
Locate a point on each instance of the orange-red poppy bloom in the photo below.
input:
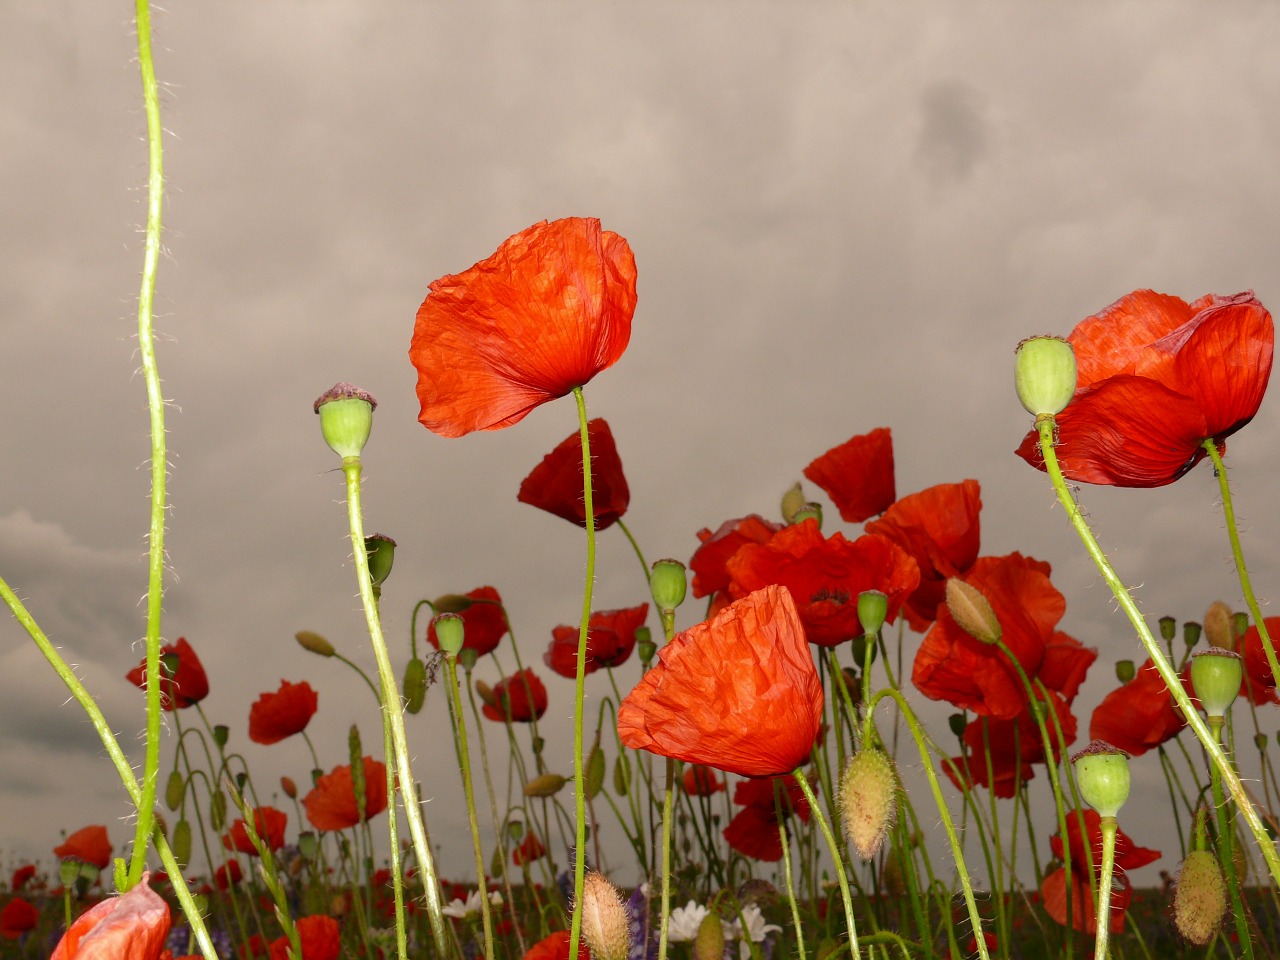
(548, 311)
(1139, 715)
(858, 475)
(270, 824)
(1258, 683)
(21, 875)
(183, 681)
(129, 927)
(700, 781)
(556, 947)
(825, 576)
(228, 875)
(521, 698)
(753, 831)
(708, 562)
(738, 692)
(611, 636)
(556, 484)
(484, 621)
(1014, 746)
(278, 715)
(319, 935)
(939, 528)
(1128, 856)
(17, 917)
(332, 804)
(1156, 378)
(88, 845)
(528, 850)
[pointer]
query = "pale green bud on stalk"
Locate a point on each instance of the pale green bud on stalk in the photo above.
(972, 611)
(1215, 677)
(312, 641)
(793, 502)
(1125, 670)
(594, 771)
(175, 790)
(346, 418)
(451, 632)
(1045, 375)
(708, 943)
(415, 685)
(1102, 772)
(1242, 623)
(873, 608)
(668, 583)
(1200, 897)
(1190, 633)
(645, 647)
(1168, 628)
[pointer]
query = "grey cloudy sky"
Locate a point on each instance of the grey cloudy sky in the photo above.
(845, 216)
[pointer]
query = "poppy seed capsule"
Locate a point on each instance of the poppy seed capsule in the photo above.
(868, 800)
(346, 418)
(668, 583)
(314, 642)
(1125, 670)
(1045, 375)
(1219, 626)
(1168, 627)
(1190, 633)
(1215, 678)
(1200, 897)
(604, 919)
(873, 607)
(1102, 772)
(450, 631)
(972, 611)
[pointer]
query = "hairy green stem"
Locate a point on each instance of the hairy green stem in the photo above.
(836, 855)
(1102, 915)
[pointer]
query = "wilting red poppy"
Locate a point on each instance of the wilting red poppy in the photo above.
(556, 484)
(709, 560)
(556, 947)
(611, 636)
(521, 697)
(939, 527)
(825, 576)
(132, 926)
(548, 311)
(17, 917)
(1140, 714)
(228, 875)
(278, 715)
(529, 850)
(270, 824)
(738, 692)
(88, 845)
(484, 622)
(1156, 378)
(857, 475)
(1128, 856)
(753, 831)
(319, 935)
(332, 804)
(1014, 744)
(700, 781)
(21, 875)
(1258, 683)
(183, 682)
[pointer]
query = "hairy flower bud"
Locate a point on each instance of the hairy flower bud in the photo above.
(972, 611)
(175, 790)
(604, 919)
(546, 785)
(868, 800)
(1219, 626)
(1045, 375)
(708, 943)
(309, 640)
(793, 502)
(1200, 897)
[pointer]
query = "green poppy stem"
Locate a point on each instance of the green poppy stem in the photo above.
(1227, 850)
(836, 855)
(1102, 915)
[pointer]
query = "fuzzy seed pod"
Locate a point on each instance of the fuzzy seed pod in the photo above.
(604, 919)
(708, 944)
(868, 800)
(1200, 899)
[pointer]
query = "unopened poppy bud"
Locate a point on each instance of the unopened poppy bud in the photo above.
(594, 772)
(668, 583)
(793, 502)
(708, 943)
(381, 553)
(467, 658)
(485, 693)
(972, 611)
(309, 640)
(452, 603)
(346, 417)
(174, 790)
(545, 785)
(218, 810)
(1241, 620)
(1045, 375)
(1125, 670)
(810, 511)
(861, 647)
(868, 800)
(873, 607)
(604, 919)
(1191, 633)
(645, 647)
(415, 684)
(1215, 677)
(1102, 771)
(450, 631)
(1200, 897)
(621, 775)
(289, 787)
(221, 733)
(957, 723)
(1168, 628)
(180, 843)
(309, 845)
(1219, 626)
(536, 745)
(1260, 741)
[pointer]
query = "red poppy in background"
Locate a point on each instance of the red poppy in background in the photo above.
(611, 636)
(319, 936)
(132, 926)
(1053, 892)
(1065, 664)
(858, 475)
(17, 917)
(1015, 745)
(753, 831)
(88, 845)
(556, 484)
(21, 875)
(332, 804)
(278, 715)
(529, 850)
(939, 528)
(1156, 378)
(1140, 714)
(545, 313)
(521, 697)
(1258, 683)
(700, 781)
(709, 560)
(484, 621)
(183, 682)
(825, 576)
(738, 692)
(270, 824)
(556, 947)
(228, 875)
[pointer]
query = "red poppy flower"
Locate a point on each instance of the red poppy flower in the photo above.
(611, 636)
(529, 850)
(255, 946)
(700, 781)
(270, 824)
(130, 927)
(1066, 661)
(548, 311)
(1258, 683)
(556, 484)
(332, 804)
(953, 666)
(857, 475)
(484, 621)
(1128, 856)
(1140, 714)
(556, 947)
(521, 697)
(1014, 744)
(228, 875)
(753, 831)
(183, 682)
(738, 692)
(21, 875)
(939, 528)
(825, 576)
(319, 935)
(278, 715)
(1158, 377)
(709, 560)
(17, 917)
(88, 845)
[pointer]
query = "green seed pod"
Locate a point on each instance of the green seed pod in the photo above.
(175, 790)
(1168, 628)
(221, 734)
(1045, 375)
(810, 511)
(668, 583)
(415, 685)
(1125, 670)
(1191, 633)
(1215, 677)
(868, 800)
(594, 772)
(315, 643)
(1103, 774)
(381, 553)
(1200, 897)
(873, 607)
(450, 632)
(346, 418)
(957, 723)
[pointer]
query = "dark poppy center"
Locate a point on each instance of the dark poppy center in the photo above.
(831, 595)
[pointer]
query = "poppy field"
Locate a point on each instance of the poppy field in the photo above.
(733, 790)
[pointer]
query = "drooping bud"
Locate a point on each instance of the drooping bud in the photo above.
(218, 810)
(289, 787)
(1200, 897)
(621, 775)
(593, 772)
(668, 583)
(957, 723)
(873, 608)
(1125, 670)
(346, 417)
(415, 684)
(645, 647)
(793, 502)
(1215, 676)
(604, 919)
(175, 790)
(1102, 772)
(221, 733)
(450, 631)
(180, 844)
(1190, 633)
(1241, 620)
(1219, 626)
(312, 641)
(1045, 375)
(545, 785)
(868, 800)
(1168, 628)
(972, 611)
(381, 552)
(708, 942)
